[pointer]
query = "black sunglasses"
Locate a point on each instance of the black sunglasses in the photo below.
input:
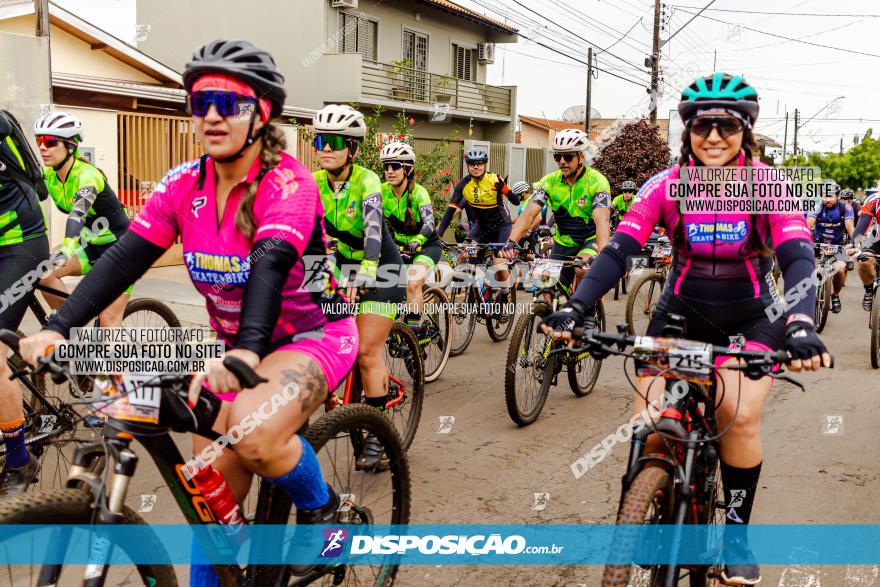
(726, 125)
(569, 157)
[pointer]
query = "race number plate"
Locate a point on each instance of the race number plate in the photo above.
(674, 359)
(470, 250)
(663, 251)
(130, 398)
(547, 268)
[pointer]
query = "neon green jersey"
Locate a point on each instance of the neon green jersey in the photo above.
(573, 205)
(21, 216)
(621, 205)
(418, 201)
(353, 214)
(85, 194)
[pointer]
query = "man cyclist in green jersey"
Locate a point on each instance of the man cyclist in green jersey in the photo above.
(80, 190)
(24, 254)
(624, 201)
(483, 194)
(352, 200)
(579, 197)
(410, 216)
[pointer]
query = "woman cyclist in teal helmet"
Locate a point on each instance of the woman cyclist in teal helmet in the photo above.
(720, 282)
(96, 218)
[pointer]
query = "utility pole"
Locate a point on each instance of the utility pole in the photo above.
(655, 63)
(715, 61)
(796, 115)
(785, 140)
(41, 13)
(589, 91)
(841, 144)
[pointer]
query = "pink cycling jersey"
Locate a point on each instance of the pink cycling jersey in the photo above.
(717, 251)
(286, 208)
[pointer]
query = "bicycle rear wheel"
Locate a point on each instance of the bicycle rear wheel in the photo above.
(74, 506)
(373, 498)
(435, 333)
(649, 500)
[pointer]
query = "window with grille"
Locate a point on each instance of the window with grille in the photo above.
(464, 63)
(358, 34)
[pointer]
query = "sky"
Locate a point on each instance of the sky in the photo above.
(788, 74)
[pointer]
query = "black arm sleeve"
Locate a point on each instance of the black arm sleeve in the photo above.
(444, 222)
(797, 264)
(120, 266)
(862, 225)
(607, 269)
(514, 198)
(262, 294)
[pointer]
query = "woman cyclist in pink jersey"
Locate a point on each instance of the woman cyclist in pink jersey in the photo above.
(721, 283)
(245, 199)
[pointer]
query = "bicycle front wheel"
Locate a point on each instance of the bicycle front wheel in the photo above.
(149, 313)
(649, 501)
(369, 497)
(823, 305)
(406, 372)
(464, 320)
(435, 334)
(500, 324)
(642, 301)
(875, 330)
(583, 370)
(74, 507)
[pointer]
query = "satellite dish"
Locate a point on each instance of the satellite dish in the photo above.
(576, 114)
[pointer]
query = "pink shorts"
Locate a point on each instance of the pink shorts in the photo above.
(335, 350)
(751, 345)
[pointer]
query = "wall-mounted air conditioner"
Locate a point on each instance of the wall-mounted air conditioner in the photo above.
(344, 3)
(486, 52)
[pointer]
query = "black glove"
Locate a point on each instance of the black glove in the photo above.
(509, 246)
(802, 342)
(413, 247)
(501, 186)
(570, 316)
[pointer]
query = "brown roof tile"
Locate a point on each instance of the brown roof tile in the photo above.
(470, 14)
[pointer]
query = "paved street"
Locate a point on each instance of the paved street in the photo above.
(809, 477)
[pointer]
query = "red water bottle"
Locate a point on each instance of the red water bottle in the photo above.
(217, 494)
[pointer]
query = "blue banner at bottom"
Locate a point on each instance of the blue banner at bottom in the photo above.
(440, 544)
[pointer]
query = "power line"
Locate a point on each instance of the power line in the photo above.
(853, 51)
(781, 13)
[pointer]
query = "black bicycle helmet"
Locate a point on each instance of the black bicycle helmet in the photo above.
(244, 61)
(719, 90)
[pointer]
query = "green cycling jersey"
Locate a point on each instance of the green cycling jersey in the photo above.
(21, 216)
(416, 199)
(573, 205)
(621, 205)
(353, 215)
(85, 194)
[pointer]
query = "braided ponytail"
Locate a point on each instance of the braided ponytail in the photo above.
(273, 142)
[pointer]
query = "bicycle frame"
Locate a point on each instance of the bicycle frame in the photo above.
(334, 401)
(691, 421)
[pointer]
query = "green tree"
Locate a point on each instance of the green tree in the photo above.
(636, 154)
(858, 168)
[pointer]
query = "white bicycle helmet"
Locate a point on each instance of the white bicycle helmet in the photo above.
(340, 119)
(398, 152)
(570, 139)
(520, 187)
(59, 124)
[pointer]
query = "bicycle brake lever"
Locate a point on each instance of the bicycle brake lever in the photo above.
(791, 380)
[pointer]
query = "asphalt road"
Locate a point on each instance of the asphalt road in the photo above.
(487, 470)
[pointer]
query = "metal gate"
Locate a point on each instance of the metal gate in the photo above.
(150, 145)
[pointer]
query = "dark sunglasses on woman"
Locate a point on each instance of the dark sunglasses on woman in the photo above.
(726, 125)
(226, 103)
(569, 157)
(396, 166)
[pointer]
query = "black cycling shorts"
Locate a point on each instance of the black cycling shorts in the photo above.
(17, 261)
(493, 234)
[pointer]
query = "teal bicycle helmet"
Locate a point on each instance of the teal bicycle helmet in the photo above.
(719, 90)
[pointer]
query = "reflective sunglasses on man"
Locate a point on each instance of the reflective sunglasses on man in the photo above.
(569, 157)
(727, 126)
(227, 103)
